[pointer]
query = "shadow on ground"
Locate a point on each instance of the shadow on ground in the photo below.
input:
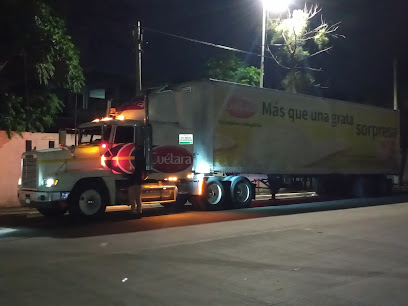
(119, 222)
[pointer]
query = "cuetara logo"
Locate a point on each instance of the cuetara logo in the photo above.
(240, 108)
(171, 159)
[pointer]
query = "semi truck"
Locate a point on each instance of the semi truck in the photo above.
(199, 140)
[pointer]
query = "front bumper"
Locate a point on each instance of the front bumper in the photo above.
(38, 199)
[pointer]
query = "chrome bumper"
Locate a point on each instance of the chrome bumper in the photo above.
(36, 198)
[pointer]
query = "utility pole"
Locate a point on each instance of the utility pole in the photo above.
(261, 79)
(75, 119)
(137, 36)
(395, 84)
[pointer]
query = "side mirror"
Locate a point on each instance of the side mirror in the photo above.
(62, 137)
(148, 145)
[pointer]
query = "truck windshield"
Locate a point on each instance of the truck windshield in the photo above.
(96, 134)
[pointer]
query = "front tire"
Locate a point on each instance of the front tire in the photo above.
(88, 201)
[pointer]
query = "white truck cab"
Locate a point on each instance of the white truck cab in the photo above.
(85, 178)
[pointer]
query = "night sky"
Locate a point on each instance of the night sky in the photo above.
(358, 68)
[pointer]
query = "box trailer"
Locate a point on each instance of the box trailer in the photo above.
(201, 137)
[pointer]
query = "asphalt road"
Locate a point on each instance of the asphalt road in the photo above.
(345, 252)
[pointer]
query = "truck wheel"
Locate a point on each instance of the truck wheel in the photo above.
(363, 187)
(213, 196)
(384, 187)
(52, 211)
(88, 201)
(241, 192)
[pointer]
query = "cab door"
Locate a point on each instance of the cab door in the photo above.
(124, 134)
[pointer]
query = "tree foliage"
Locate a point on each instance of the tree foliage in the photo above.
(230, 67)
(295, 39)
(37, 58)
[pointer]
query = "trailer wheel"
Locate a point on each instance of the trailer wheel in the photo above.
(88, 200)
(363, 187)
(241, 192)
(384, 187)
(52, 211)
(213, 196)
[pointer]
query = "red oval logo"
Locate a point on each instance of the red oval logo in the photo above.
(171, 159)
(240, 108)
(136, 106)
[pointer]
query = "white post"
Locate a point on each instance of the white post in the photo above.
(395, 85)
(261, 79)
(137, 36)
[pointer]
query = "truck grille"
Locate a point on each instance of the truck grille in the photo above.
(29, 175)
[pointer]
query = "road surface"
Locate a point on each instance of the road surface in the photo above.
(346, 252)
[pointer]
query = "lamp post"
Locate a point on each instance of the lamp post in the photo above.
(276, 6)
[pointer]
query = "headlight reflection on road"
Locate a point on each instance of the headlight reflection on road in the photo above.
(5, 230)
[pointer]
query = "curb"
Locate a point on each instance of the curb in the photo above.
(17, 211)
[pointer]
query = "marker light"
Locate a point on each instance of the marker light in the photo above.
(172, 179)
(103, 163)
(104, 146)
(190, 176)
(96, 120)
(106, 119)
(201, 183)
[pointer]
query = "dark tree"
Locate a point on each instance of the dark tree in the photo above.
(37, 58)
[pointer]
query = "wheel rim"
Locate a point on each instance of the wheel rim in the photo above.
(241, 192)
(214, 194)
(90, 202)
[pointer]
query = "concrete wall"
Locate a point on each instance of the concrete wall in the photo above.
(10, 157)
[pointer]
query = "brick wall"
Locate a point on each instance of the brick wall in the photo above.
(10, 157)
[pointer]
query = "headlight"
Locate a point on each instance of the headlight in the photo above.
(49, 182)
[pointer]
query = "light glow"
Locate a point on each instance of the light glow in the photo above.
(103, 161)
(276, 6)
(203, 167)
(5, 230)
(49, 182)
(104, 146)
(19, 181)
(121, 117)
(201, 185)
(172, 179)
(190, 176)
(106, 119)
(95, 120)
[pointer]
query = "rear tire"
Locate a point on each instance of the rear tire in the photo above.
(213, 196)
(241, 192)
(332, 186)
(88, 201)
(52, 211)
(363, 187)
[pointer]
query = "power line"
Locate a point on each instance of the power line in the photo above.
(205, 43)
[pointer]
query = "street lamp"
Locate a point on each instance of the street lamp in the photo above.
(275, 6)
